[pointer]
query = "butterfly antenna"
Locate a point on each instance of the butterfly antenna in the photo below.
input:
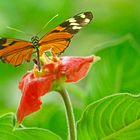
(18, 30)
(47, 24)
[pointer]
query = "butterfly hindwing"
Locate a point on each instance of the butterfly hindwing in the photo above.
(14, 51)
(59, 38)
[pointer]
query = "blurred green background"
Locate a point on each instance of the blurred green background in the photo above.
(112, 20)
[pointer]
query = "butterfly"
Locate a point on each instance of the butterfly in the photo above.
(15, 51)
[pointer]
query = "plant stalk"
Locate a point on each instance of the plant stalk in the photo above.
(72, 134)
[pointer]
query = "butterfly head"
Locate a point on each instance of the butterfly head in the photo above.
(35, 40)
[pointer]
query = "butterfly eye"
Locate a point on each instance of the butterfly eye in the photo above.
(32, 39)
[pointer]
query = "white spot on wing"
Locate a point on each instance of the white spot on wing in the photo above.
(76, 27)
(72, 20)
(82, 16)
(74, 23)
(87, 20)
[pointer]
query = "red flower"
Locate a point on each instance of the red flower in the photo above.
(35, 84)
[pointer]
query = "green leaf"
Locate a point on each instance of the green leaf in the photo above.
(8, 133)
(117, 71)
(49, 117)
(115, 117)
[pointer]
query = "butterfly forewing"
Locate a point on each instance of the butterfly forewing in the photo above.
(59, 38)
(14, 51)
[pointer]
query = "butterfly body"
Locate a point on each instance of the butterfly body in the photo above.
(15, 51)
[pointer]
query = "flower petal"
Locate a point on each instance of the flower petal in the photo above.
(75, 68)
(32, 89)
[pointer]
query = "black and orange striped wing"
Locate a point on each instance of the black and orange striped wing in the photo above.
(59, 38)
(14, 51)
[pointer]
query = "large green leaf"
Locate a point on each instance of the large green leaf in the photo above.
(7, 132)
(118, 71)
(115, 117)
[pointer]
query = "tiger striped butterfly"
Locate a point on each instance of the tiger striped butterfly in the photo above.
(15, 51)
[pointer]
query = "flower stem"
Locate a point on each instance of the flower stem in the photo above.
(69, 114)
